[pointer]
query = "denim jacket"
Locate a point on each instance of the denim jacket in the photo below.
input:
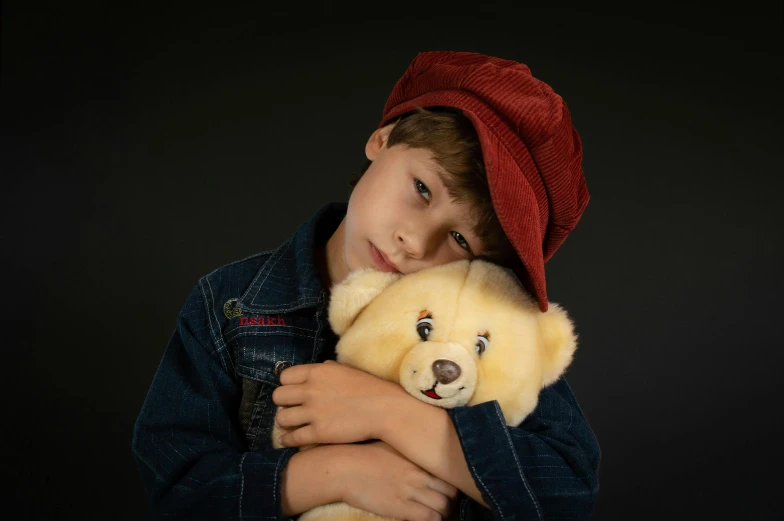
(202, 439)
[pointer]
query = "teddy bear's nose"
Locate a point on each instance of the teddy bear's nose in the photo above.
(446, 371)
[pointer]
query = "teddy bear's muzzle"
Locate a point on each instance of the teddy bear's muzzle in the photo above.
(439, 373)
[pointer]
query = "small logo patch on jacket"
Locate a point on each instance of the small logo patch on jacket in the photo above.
(267, 320)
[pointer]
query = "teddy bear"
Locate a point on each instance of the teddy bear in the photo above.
(452, 335)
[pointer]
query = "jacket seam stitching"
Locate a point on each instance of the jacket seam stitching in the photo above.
(242, 481)
(207, 307)
(275, 481)
(517, 461)
(249, 331)
(263, 266)
(484, 487)
(266, 275)
(240, 261)
(300, 303)
(220, 344)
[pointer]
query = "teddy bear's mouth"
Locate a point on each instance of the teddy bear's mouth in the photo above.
(431, 393)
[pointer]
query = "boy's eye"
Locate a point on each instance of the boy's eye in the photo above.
(461, 241)
(423, 190)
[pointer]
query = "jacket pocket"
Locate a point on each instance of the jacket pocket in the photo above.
(261, 355)
(257, 413)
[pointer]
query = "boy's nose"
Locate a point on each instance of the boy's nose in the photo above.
(413, 250)
(415, 244)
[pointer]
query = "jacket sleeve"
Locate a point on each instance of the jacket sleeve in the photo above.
(546, 468)
(186, 443)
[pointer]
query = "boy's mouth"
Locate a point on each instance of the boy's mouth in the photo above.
(431, 393)
(381, 261)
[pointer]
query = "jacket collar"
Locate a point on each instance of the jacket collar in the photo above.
(289, 280)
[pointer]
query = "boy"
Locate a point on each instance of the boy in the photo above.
(491, 170)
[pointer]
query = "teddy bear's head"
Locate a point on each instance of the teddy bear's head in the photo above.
(456, 334)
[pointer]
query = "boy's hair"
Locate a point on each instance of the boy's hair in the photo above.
(452, 139)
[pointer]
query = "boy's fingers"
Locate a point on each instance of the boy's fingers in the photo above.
(296, 374)
(433, 500)
(443, 487)
(288, 395)
(291, 417)
(299, 437)
(417, 510)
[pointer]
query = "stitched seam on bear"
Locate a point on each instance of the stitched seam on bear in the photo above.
(459, 296)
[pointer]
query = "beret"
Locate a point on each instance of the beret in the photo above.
(531, 151)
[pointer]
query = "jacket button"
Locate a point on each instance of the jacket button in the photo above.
(280, 366)
(230, 309)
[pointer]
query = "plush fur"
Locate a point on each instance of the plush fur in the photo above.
(377, 315)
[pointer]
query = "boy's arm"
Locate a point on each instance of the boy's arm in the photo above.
(310, 480)
(546, 467)
(430, 440)
(187, 444)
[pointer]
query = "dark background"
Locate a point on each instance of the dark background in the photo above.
(143, 147)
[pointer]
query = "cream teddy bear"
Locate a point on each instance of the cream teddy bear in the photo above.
(457, 334)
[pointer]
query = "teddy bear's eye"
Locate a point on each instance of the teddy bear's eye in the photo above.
(424, 326)
(481, 344)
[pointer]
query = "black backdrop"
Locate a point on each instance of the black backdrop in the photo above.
(143, 147)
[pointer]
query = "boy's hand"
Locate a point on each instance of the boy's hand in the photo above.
(332, 403)
(379, 479)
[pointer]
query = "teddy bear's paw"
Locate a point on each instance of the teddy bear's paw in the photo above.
(340, 512)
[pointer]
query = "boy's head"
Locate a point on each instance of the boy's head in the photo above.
(492, 169)
(448, 141)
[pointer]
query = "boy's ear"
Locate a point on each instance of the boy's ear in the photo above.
(559, 342)
(354, 293)
(378, 140)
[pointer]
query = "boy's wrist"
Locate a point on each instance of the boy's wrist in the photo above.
(314, 477)
(385, 415)
(342, 457)
(394, 412)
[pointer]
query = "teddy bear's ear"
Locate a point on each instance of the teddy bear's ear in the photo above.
(558, 340)
(354, 293)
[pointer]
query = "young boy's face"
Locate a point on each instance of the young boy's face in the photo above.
(400, 216)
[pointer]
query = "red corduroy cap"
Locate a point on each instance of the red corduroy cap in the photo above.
(531, 151)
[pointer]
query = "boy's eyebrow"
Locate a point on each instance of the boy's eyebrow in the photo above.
(432, 166)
